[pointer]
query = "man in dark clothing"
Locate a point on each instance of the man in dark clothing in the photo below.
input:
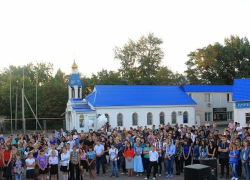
(118, 146)
(224, 157)
(207, 131)
(189, 140)
(122, 159)
(89, 142)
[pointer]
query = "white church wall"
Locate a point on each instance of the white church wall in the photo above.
(142, 112)
(85, 125)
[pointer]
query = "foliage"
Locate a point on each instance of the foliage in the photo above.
(220, 64)
(105, 77)
(140, 61)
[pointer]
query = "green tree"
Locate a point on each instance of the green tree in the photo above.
(44, 71)
(164, 75)
(55, 96)
(220, 64)
(106, 78)
(179, 79)
(140, 61)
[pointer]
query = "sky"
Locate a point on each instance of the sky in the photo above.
(58, 31)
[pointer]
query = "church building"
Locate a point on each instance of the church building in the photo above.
(127, 105)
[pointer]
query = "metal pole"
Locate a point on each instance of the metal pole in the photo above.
(16, 105)
(10, 107)
(32, 112)
(23, 111)
(36, 97)
(24, 124)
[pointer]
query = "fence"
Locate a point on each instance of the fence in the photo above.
(30, 123)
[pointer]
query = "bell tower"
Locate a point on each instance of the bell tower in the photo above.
(75, 84)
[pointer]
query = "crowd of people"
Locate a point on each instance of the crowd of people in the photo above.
(133, 152)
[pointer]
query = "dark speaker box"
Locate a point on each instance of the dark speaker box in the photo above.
(212, 162)
(197, 172)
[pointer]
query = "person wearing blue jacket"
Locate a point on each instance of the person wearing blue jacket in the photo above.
(203, 150)
(233, 161)
(196, 153)
(244, 155)
(170, 156)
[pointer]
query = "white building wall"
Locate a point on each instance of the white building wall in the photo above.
(240, 115)
(142, 115)
(217, 100)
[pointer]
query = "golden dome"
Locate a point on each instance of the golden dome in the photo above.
(74, 66)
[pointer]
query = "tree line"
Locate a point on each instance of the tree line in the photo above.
(140, 64)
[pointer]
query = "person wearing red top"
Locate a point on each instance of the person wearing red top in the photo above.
(1, 162)
(129, 157)
(7, 154)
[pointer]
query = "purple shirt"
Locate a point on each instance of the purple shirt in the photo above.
(42, 161)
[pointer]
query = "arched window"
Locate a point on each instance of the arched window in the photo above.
(173, 117)
(73, 92)
(107, 116)
(149, 119)
(185, 117)
(81, 121)
(135, 119)
(79, 92)
(162, 118)
(119, 119)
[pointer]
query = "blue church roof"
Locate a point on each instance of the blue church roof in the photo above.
(75, 80)
(81, 107)
(207, 88)
(138, 95)
(241, 90)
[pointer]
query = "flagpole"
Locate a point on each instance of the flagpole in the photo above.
(10, 107)
(16, 105)
(36, 96)
(23, 106)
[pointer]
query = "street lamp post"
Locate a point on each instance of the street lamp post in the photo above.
(16, 105)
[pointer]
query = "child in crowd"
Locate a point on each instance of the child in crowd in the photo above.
(83, 164)
(30, 164)
(42, 162)
(65, 158)
(53, 163)
(74, 159)
(91, 162)
(18, 165)
(113, 153)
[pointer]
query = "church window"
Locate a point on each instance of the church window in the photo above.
(173, 117)
(81, 121)
(73, 92)
(135, 119)
(185, 117)
(79, 92)
(107, 116)
(149, 119)
(162, 118)
(119, 119)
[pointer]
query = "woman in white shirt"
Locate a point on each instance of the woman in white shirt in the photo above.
(75, 136)
(30, 164)
(65, 157)
(53, 163)
(239, 130)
